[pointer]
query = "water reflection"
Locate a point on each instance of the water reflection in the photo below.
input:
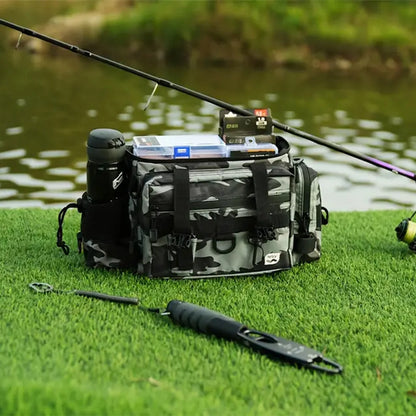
(45, 123)
(35, 163)
(13, 154)
(13, 131)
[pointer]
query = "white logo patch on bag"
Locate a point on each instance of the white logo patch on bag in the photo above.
(271, 258)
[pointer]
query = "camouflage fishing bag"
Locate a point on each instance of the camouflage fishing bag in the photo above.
(199, 218)
(194, 219)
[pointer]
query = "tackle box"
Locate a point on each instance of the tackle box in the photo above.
(179, 146)
(198, 146)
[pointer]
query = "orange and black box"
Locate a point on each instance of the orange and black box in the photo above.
(234, 128)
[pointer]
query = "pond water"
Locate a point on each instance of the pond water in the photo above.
(49, 105)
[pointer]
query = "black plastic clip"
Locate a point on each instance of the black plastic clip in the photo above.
(181, 240)
(260, 236)
(264, 234)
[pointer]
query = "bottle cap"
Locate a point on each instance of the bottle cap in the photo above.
(105, 146)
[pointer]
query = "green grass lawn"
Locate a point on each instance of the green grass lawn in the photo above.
(63, 354)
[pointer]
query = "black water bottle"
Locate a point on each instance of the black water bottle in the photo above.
(105, 226)
(106, 179)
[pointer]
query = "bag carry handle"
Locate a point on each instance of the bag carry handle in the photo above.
(182, 236)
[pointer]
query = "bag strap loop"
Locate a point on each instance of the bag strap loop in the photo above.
(181, 201)
(182, 231)
(264, 229)
(59, 234)
(260, 181)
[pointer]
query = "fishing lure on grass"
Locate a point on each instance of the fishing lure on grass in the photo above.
(211, 322)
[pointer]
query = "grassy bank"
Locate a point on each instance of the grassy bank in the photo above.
(301, 34)
(331, 34)
(63, 354)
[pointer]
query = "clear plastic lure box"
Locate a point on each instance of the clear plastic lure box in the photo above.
(179, 146)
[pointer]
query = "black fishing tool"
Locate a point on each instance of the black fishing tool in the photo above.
(210, 322)
(201, 96)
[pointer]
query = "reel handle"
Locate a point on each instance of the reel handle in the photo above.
(204, 320)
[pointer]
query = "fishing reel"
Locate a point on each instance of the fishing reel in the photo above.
(406, 232)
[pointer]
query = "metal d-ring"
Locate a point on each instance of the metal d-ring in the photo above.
(232, 243)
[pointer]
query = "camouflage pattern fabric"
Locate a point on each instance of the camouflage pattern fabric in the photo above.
(222, 214)
(308, 215)
(225, 236)
(97, 256)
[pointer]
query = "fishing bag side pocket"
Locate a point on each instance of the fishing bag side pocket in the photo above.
(105, 233)
(309, 214)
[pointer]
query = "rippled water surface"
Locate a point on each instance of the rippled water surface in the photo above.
(49, 105)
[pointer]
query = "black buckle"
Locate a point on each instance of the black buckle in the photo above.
(263, 234)
(260, 236)
(181, 240)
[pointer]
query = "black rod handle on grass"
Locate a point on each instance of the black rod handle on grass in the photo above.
(204, 320)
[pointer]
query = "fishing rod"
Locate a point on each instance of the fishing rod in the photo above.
(237, 110)
(210, 322)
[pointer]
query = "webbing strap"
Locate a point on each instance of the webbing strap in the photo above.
(181, 201)
(264, 228)
(181, 241)
(261, 194)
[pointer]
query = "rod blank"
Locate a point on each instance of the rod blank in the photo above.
(237, 110)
